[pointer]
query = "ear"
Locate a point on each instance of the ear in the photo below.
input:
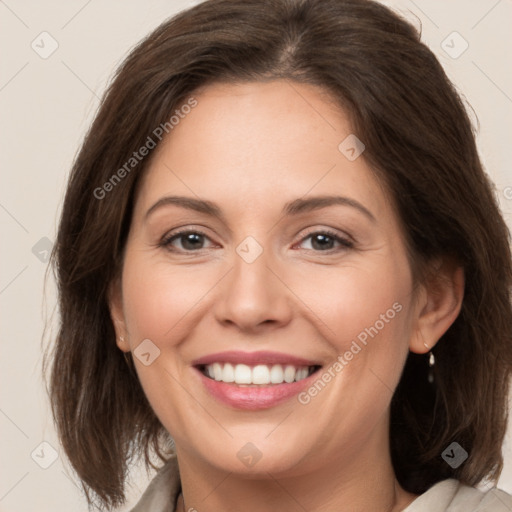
(115, 304)
(438, 304)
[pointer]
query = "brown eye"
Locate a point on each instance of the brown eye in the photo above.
(326, 241)
(187, 241)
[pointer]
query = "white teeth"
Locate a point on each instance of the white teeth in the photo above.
(276, 374)
(228, 373)
(301, 374)
(217, 371)
(243, 374)
(289, 374)
(260, 374)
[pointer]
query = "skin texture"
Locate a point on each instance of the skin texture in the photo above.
(250, 148)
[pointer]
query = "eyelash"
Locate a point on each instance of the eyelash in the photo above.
(344, 242)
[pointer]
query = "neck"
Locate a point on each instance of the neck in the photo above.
(361, 480)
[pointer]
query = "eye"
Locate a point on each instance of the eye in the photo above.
(187, 241)
(326, 240)
(194, 240)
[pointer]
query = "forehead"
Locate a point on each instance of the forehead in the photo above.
(244, 143)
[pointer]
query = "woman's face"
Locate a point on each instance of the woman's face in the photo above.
(292, 257)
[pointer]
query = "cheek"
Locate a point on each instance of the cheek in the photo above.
(365, 315)
(357, 302)
(159, 302)
(158, 297)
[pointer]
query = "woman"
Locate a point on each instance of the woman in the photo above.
(280, 221)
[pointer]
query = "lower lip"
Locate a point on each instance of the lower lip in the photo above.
(251, 397)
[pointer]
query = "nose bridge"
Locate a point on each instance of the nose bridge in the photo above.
(252, 293)
(252, 279)
(251, 270)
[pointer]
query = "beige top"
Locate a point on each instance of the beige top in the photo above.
(445, 496)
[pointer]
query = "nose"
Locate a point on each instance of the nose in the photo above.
(253, 297)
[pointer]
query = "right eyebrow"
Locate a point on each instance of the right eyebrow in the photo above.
(190, 203)
(295, 207)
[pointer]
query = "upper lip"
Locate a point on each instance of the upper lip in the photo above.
(254, 358)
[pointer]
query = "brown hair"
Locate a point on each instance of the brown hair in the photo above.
(419, 142)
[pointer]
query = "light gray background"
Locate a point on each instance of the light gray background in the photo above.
(46, 106)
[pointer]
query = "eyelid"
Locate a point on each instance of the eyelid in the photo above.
(330, 231)
(165, 241)
(344, 240)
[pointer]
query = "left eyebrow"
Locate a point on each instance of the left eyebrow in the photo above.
(317, 202)
(295, 207)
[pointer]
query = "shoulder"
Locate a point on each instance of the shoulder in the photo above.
(452, 496)
(162, 492)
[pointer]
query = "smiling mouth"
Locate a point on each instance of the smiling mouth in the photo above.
(256, 375)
